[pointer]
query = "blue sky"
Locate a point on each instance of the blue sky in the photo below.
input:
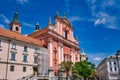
(96, 22)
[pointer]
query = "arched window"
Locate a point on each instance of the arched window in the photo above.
(17, 28)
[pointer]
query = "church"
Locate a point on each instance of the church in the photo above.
(44, 49)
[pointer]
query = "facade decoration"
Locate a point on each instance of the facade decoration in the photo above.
(60, 42)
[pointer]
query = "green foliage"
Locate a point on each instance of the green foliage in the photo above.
(67, 66)
(83, 69)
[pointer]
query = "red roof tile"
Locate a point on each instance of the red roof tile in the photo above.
(20, 37)
(39, 32)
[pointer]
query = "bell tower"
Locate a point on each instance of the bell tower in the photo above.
(15, 24)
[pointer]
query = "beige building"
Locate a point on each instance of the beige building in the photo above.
(18, 53)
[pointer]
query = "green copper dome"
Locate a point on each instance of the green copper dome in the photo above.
(15, 19)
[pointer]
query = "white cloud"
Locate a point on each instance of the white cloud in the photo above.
(100, 21)
(22, 1)
(97, 59)
(2, 26)
(4, 19)
(108, 3)
(74, 18)
(101, 16)
(27, 24)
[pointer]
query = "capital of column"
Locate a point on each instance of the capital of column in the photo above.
(50, 40)
(72, 49)
(60, 44)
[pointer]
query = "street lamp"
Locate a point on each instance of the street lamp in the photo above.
(117, 57)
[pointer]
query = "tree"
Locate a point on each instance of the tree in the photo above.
(83, 69)
(67, 66)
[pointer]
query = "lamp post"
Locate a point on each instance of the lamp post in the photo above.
(117, 58)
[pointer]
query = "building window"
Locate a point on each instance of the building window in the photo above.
(13, 56)
(35, 59)
(115, 68)
(66, 34)
(110, 69)
(24, 58)
(25, 48)
(110, 63)
(114, 63)
(11, 68)
(24, 69)
(36, 50)
(0, 42)
(14, 46)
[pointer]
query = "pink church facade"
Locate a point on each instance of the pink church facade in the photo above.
(60, 42)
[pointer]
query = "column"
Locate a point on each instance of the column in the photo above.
(59, 54)
(72, 35)
(50, 50)
(78, 57)
(62, 53)
(74, 57)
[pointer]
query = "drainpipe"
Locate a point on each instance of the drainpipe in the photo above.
(7, 59)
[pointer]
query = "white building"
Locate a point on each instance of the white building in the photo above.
(109, 68)
(19, 54)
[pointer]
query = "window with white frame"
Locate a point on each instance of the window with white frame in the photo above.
(24, 58)
(14, 46)
(111, 69)
(25, 48)
(12, 56)
(115, 69)
(36, 50)
(35, 59)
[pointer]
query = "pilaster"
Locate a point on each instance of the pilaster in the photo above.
(50, 50)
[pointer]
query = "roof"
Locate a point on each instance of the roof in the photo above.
(39, 32)
(109, 57)
(20, 37)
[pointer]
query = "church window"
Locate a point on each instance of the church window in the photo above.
(66, 34)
